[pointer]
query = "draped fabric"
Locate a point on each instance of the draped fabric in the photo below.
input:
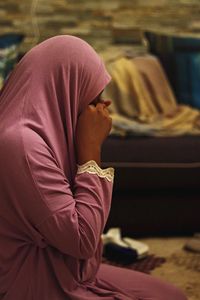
(143, 101)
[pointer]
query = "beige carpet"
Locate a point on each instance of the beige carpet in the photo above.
(182, 268)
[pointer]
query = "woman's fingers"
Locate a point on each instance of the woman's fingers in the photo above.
(104, 104)
(107, 102)
(101, 107)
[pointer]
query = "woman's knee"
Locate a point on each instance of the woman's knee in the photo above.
(171, 292)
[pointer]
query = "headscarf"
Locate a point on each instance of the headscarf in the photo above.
(55, 81)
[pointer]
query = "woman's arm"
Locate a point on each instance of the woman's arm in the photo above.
(70, 222)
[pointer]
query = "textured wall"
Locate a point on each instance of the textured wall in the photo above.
(100, 22)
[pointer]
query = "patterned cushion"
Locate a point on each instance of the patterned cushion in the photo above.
(9, 53)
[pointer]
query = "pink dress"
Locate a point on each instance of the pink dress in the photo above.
(53, 212)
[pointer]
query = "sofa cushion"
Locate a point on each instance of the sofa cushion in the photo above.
(149, 162)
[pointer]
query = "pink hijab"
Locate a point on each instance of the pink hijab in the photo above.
(57, 79)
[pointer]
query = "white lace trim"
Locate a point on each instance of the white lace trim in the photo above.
(92, 167)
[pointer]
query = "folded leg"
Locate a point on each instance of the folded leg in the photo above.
(136, 285)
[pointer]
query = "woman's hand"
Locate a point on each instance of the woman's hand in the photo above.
(93, 126)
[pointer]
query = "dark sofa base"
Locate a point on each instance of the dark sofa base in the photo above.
(155, 212)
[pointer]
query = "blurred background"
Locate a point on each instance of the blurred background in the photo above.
(109, 26)
(99, 22)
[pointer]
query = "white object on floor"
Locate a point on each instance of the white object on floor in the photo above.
(114, 236)
(141, 248)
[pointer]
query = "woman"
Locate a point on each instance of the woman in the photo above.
(54, 196)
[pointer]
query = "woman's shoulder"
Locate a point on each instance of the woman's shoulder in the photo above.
(37, 150)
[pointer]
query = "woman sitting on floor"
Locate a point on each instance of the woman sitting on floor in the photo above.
(54, 196)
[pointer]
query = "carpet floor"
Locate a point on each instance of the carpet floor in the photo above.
(181, 267)
(169, 261)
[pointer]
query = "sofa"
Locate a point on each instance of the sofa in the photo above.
(157, 179)
(156, 187)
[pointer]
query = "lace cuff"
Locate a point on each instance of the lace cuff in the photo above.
(92, 167)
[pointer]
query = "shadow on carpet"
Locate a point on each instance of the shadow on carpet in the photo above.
(145, 265)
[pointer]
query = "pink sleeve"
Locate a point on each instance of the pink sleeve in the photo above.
(71, 222)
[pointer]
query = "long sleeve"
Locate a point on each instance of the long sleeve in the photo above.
(70, 221)
(93, 199)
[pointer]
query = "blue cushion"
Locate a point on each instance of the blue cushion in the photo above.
(180, 57)
(162, 43)
(9, 53)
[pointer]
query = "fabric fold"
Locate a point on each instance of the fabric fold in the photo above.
(143, 100)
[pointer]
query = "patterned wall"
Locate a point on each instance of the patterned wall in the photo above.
(103, 23)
